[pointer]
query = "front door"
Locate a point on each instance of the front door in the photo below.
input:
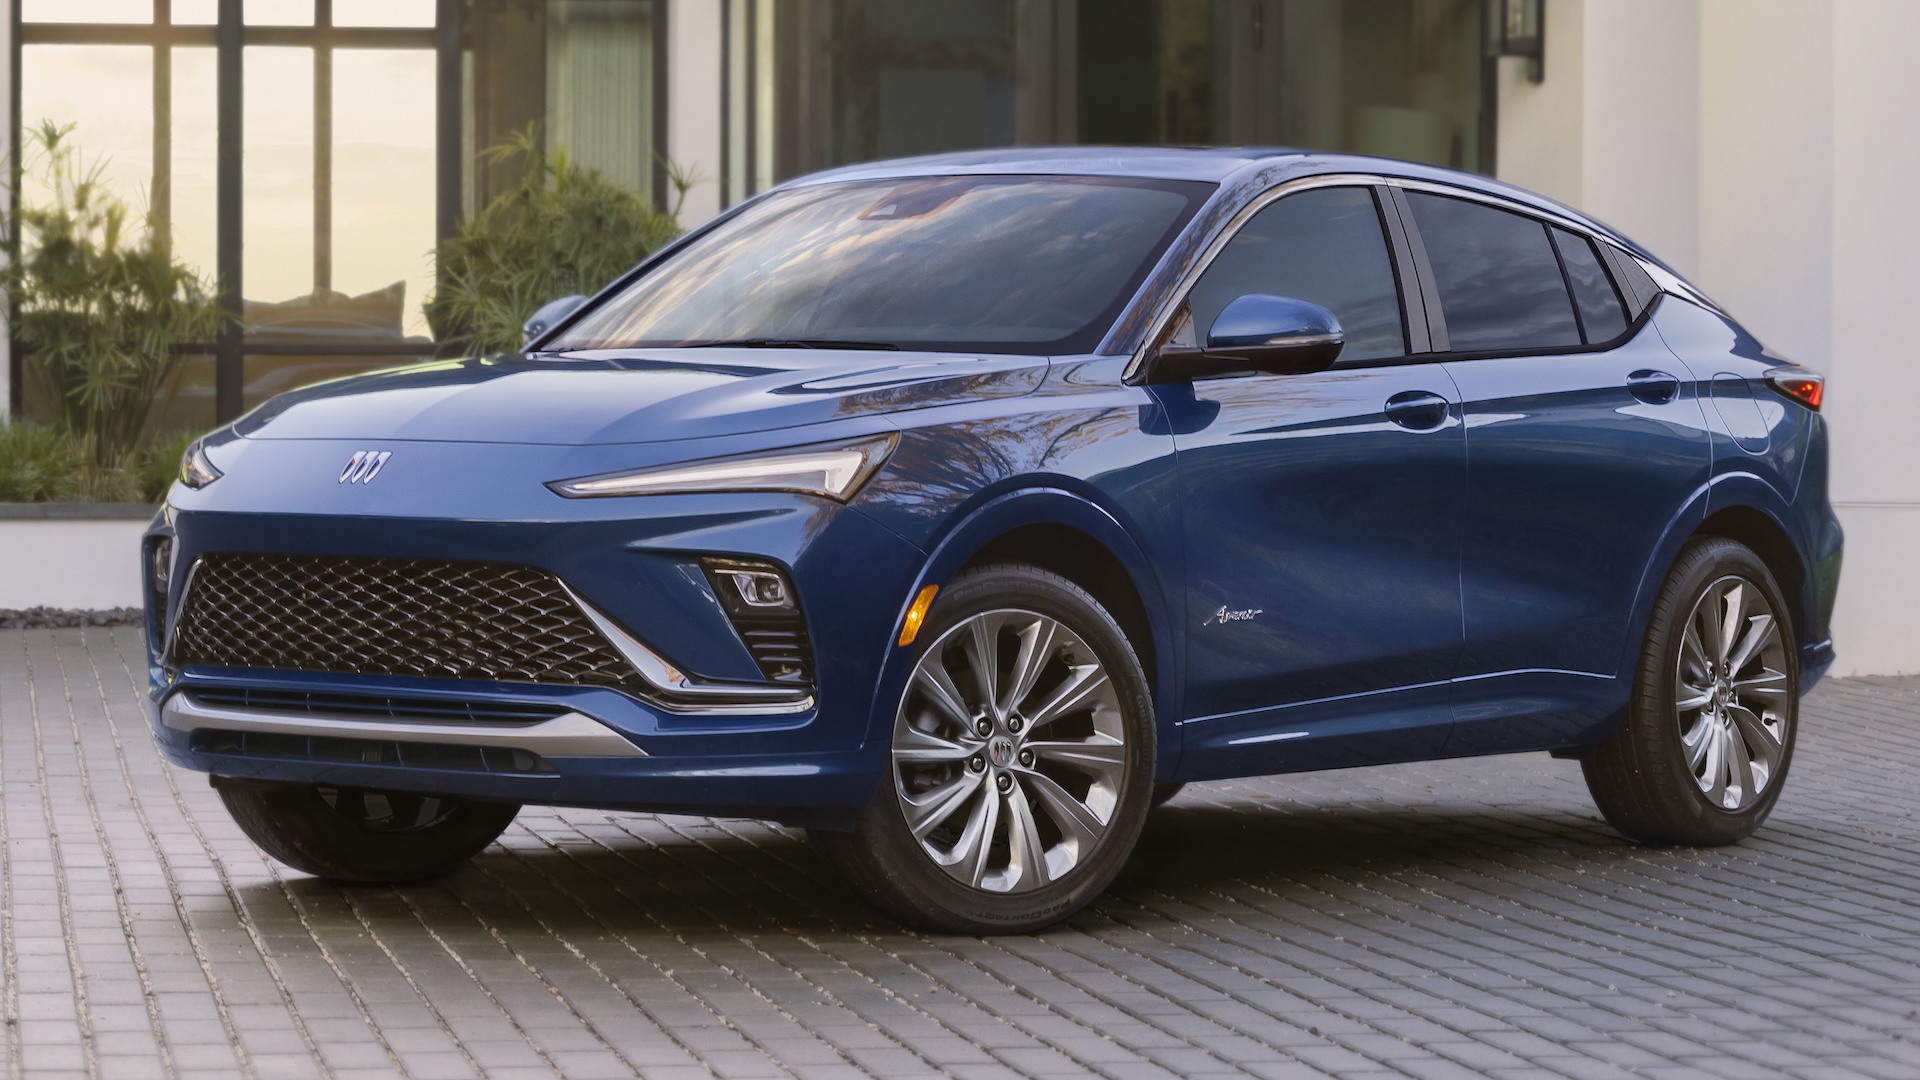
(1320, 515)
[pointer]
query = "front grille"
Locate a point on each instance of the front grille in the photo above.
(379, 706)
(410, 617)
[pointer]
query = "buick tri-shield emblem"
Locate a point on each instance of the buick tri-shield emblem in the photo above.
(363, 466)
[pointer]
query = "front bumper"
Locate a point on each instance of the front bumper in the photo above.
(634, 561)
(580, 762)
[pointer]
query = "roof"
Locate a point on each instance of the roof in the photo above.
(1239, 170)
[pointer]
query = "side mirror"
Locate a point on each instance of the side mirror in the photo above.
(548, 317)
(1274, 335)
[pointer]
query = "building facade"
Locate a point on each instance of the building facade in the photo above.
(308, 154)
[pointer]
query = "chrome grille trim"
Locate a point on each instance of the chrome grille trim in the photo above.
(570, 734)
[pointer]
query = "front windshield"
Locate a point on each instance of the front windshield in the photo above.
(1019, 264)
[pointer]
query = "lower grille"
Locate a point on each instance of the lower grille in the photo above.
(410, 617)
(299, 703)
(331, 750)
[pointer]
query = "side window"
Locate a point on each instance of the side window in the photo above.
(1325, 246)
(1602, 316)
(1500, 285)
(1636, 281)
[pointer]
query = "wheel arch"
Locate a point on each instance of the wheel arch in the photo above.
(1768, 538)
(1065, 533)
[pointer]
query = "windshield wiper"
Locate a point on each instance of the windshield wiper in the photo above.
(793, 343)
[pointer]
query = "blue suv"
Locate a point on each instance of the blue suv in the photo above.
(958, 510)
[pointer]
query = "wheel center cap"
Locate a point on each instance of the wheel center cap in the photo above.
(1001, 751)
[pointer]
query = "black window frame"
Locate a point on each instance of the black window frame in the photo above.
(1638, 307)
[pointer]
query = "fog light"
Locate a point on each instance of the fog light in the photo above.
(162, 552)
(760, 601)
(760, 588)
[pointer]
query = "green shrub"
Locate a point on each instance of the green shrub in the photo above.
(157, 466)
(560, 230)
(99, 309)
(37, 464)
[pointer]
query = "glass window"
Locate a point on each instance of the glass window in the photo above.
(89, 87)
(1324, 246)
(382, 12)
(578, 74)
(196, 12)
(1636, 278)
(1014, 264)
(383, 179)
(600, 87)
(278, 12)
(1602, 317)
(277, 187)
(864, 79)
(87, 11)
(1500, 285)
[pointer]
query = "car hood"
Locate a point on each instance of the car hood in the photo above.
(607, 397)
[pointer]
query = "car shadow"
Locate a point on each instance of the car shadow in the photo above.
(634, 881)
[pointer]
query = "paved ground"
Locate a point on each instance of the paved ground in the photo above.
(1433, 921)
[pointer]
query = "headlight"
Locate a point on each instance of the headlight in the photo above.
(835, 470)
(195, 470)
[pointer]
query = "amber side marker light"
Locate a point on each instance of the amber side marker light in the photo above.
(1803, 385)
(917, 614)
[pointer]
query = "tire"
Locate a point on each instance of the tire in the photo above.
(1703, 750)
(1058, 784)
(350, 834)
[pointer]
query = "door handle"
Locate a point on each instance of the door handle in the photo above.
(1653, 387)
(1417, 410)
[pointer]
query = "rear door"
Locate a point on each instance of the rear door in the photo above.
(1320, 513)
(1585, 437)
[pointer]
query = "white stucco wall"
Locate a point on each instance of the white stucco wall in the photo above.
(1763, 148)
(70, 563)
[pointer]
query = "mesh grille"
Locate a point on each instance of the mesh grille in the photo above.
(417, 617)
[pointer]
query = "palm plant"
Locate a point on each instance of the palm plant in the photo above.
(562, 229)
(100, 302)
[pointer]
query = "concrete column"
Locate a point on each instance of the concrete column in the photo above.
(694, 71)
(6, 154)
(1614, 127)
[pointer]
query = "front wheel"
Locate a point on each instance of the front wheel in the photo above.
(1021, 767)
(355, 834)
(1702, 752)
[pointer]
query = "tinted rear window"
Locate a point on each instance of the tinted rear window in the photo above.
(1500, 285)
(1023, 264)
(1602, 315)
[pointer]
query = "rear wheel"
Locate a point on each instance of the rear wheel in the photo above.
(1021, 766)
(356, 834)
(1701, 755)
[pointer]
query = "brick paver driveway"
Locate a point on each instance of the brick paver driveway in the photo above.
(1445, 920)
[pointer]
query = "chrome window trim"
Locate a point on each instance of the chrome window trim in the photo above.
(1163, 314)
(1667, 280)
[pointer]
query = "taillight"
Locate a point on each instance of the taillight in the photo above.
(1803, 385)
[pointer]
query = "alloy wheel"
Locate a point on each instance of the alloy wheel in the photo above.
(1009, 751)
(1731, 693)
